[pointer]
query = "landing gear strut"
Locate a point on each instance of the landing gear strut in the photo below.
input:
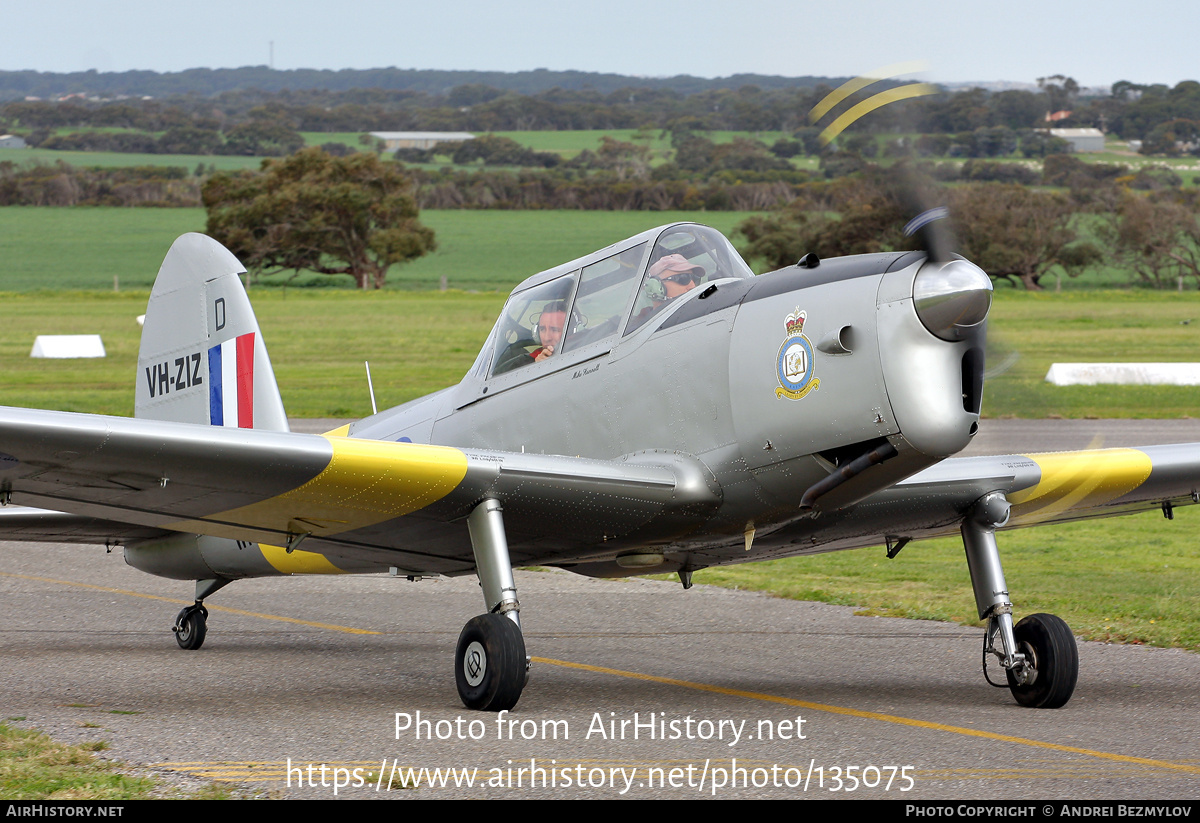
(1039, 655)
(191, 624)
(490, 664)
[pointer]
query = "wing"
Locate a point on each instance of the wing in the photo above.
(24, 524)
(401, 504)
(1042, 488)
(1059, 486)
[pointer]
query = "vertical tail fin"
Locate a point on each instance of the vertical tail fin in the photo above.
(202, 358)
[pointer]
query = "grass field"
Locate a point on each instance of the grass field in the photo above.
(34, 767)
(83, 248)
(419, 342)
(108, 159)
(1028, 332)
(1123, 580)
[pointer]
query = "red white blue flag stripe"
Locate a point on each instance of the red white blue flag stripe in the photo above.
(231, 382)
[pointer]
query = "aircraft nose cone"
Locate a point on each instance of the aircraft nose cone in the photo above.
(952, 298)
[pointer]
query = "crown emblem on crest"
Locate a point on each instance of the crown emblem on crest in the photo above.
(794, 322)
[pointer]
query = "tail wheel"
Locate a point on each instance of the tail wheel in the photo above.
(1049, 647)
(191, 625)
(489, 664)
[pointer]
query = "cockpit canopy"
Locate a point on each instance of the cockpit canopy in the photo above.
(613, 291)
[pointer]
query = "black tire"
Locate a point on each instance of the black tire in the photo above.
(193, 626)
(489, 664)
(1047, 642)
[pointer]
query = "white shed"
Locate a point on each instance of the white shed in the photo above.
(419, 139)
(1081, 140)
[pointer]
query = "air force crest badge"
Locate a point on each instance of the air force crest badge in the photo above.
(794, 366)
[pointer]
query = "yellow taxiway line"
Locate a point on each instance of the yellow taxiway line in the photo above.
(330, 626)
(886, 718)
(703, 687)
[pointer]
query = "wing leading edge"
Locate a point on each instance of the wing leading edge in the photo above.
(1043, 488)
(353, 494)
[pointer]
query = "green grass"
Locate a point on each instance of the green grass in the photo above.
(320, 138)
(108, 159)
(497, 249)
(1129, 580)
(34, 767)
(570, 143)
(1072, 327)
(417, 343)
(83, 248)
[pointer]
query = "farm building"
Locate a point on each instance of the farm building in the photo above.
(11, 141)
(419, 139)
(1081, 140)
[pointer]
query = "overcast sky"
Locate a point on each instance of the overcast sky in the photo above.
(1096, 42)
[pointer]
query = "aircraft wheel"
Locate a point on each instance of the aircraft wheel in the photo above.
(191, 625)
(489, 665)
(1047, 642)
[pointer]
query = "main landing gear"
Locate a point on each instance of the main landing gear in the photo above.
(191, 624)
(490, 666)
(1039, 655)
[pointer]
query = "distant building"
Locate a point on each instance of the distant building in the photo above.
(1081, 140)
(419, 139)
(11, 141)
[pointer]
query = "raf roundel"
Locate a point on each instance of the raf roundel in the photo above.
(794, 365)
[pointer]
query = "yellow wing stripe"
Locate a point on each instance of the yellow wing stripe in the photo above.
(366, 482)
(298, 562)
(1083, 478)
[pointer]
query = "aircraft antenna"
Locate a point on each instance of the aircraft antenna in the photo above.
(371, 388)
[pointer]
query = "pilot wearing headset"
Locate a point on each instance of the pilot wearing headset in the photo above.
(677, 276)
(550, 325)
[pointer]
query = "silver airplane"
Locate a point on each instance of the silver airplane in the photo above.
(650, 407)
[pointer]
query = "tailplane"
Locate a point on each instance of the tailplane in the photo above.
(202, 358)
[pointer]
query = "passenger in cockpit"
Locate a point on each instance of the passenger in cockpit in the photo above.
(550, 327)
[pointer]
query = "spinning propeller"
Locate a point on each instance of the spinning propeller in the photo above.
(952, 296)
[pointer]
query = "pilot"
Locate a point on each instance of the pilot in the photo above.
(678, 277)
(550, 326)
(676, 274)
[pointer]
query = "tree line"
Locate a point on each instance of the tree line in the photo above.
(1167, 119)
(60, 184)
(1018, 234)
(209, 82)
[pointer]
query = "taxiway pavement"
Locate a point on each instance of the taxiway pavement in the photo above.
(755, 697)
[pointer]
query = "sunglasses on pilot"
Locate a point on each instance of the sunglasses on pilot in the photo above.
(681, 279)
